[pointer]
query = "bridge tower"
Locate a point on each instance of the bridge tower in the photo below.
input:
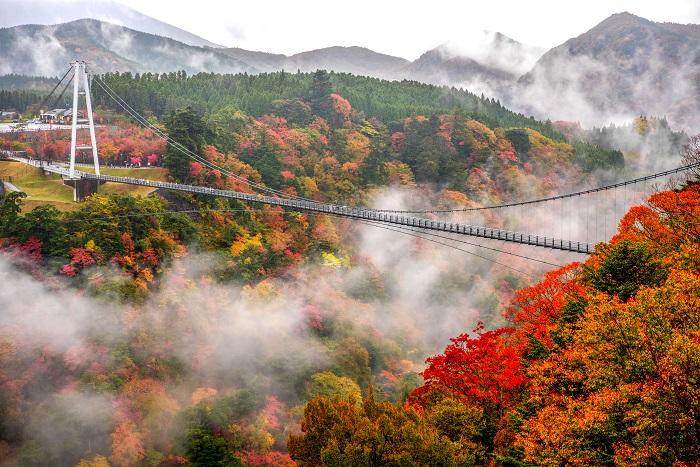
(80, 76)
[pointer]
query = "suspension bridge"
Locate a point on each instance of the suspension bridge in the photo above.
(401, 219)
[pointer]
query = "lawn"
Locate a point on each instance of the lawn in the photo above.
(40, 188)
(156, 173)
(49, 189)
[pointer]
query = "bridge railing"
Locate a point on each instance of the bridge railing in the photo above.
(343, 211)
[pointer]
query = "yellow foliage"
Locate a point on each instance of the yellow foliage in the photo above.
(399, 173)
(244, 243)
(357, 146)
(97, 461)
(330, 260)
(641, 125)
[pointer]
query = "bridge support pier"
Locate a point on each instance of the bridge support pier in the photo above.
(82, 187)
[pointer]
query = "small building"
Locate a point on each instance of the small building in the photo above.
(9, 115)
(60, 116)
(52, 116)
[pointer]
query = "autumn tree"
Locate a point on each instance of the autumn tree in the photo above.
(345, 433)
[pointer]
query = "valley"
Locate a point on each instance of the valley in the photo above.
(487, 255)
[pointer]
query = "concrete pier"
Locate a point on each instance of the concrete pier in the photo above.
(82, 187)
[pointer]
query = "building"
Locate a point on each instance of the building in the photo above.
(9, 116)
(60, 116)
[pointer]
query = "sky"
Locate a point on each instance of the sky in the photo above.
(404, 28)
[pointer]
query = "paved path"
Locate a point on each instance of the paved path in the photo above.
(11, 186)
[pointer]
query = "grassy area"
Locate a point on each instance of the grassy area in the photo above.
(156, 173)
(49, 189)
(40, 188)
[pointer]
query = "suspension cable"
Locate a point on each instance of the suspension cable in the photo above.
(424, 232)
(551, 198)
(486, 258)
(54, 88)
(63, 91)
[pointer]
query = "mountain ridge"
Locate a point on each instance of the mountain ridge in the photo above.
(625, 63)
(624, 66)
(46, 50)
(53, 12)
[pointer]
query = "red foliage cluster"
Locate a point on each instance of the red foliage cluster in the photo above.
(485, 368)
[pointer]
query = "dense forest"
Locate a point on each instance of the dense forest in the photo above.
(234, 334)
(256, 94)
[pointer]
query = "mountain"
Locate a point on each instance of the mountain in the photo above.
(19, 12)
(47, 50)
(355, 60)
(482, 61)
(442, 66)
(262, 61)
(493, 50)
(624, 66)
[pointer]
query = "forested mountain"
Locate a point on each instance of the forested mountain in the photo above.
(626, 65)
(256, 94)
(482, 62)
(20, 12)
(47, 50)
(444, 66)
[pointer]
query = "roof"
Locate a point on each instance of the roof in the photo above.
(56, 112)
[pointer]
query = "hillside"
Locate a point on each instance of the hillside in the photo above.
(256, 95)
(598, 365)
(625, 65)
(20, 12)
(208, 336)
(47, 50)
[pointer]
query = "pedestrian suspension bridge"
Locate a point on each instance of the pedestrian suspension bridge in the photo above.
(583, 213)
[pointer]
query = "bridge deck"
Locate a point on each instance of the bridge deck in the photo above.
(336, 210)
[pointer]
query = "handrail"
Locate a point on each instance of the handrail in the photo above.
(362, 213)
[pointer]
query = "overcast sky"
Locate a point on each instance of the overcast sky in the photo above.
(405, 28)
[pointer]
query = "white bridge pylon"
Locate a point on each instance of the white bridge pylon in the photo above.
(80, 76)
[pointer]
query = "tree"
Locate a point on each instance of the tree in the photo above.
(691, 154)
(203, 449)
(45, 224)
(345, 433)
(320, 92)
(10, 207)
(520, 138)
(485, 369)
(296, 111)
(624, 268)
(334, 387)
(186, 129)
